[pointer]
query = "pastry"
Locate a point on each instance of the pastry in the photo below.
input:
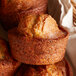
(38, 40)
(8, 66)
(62, 68)
(11, 10)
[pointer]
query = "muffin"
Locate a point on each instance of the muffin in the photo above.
(38, 40)
(11, 10)
(62, 68)
(8, 66)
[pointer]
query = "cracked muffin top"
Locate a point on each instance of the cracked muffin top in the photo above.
(40, 26)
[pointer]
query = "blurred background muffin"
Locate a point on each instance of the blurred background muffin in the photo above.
(8, 66)
(11, 10)
(62, 68)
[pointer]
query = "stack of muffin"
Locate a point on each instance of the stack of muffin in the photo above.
(40, 43)
(35, 40)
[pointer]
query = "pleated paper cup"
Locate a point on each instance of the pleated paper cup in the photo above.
(74, 11)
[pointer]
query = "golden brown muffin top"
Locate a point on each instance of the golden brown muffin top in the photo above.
(3, 50)
(40, 26)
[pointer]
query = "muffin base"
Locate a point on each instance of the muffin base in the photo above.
(37, 51)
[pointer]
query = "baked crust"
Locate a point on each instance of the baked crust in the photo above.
(62, 68)
(39, 26)
(37, 51)
(8, 66)
(12, 10)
